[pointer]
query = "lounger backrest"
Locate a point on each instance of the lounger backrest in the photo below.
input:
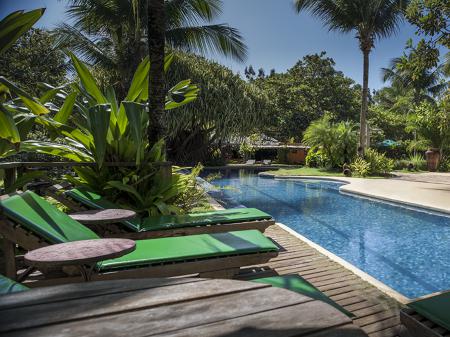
(8, 286)
(39, 216)
(93, 200)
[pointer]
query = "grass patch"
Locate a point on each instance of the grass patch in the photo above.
(307, 171)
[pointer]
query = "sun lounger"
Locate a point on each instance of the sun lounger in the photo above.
(428, 316)
(31, 222)
(300, 285)
(250, 162)
(165, 225)
(267, 162)
(8, 286)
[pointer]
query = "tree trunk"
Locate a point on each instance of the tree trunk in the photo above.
(364, 104)
(156, 88)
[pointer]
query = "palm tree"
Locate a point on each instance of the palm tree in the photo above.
(370, 20)
(112, 34)
(425, 83)
(156, 52)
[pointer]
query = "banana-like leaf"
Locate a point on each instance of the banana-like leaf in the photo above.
(143, 97)
(140, 77)
(98, 119)
(55, 149)
(168, 61)
(87, 80)
(8, 129)
(134, 113)
(15, 25)
(126, 188)
(30, 102)
(64, 112)
(181, 94)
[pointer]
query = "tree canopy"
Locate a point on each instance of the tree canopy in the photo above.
(226, 107)
(305, 93)
(32, 60)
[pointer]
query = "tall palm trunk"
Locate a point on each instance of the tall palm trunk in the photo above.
(364, 103)
(156, 88)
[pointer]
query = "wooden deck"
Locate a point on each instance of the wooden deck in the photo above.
(376, 313)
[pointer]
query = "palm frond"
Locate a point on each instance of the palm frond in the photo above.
(191, 12)
(221, 39)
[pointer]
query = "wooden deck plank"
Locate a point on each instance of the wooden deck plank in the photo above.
(376, 313)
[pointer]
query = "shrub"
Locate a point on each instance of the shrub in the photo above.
(316, 158)
(444, 165)
(417, 162)
(378, 162)
(360, 167)
(336, 140)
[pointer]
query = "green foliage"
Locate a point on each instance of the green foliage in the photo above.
(113, 34)
(32, 59)
(336, 140)
(14, 25)
(432, 18)
(432, 123)
(360, 167)
(444, 164)
(417, 162)
(226, 107)
(316, 158)
(379, 164)
(305, 93)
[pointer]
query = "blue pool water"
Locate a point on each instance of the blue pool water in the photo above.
(408, 250)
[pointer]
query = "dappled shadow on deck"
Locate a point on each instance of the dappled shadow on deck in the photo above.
(376, 313)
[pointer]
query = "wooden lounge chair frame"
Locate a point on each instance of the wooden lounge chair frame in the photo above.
(119, 231)
(420, 326)
(216, 267)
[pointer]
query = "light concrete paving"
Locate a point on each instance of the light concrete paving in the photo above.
(433, 196)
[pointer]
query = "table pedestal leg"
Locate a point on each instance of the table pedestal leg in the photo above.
(86, 271)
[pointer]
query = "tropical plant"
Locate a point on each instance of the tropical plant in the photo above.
(371, 20)
(97, 128)
(432, 123)
(316, 158)
(13, 128)
(113, 34)
(337, 141)
(227, 108)
(417, 162)
(379, 164)
(415, 71)
(360, 167)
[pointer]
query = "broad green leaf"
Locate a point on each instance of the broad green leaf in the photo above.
(55, 149)
(126, 188)
(139, 79)
(87, 80)
(181, 94)
(64, 112)
(15, 25)
(98, 119)
(30, 102)
(8, 129)
(168, 61)
(134, 113)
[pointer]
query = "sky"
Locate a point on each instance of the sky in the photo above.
(276, 36)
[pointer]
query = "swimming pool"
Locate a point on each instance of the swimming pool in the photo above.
(406, 249)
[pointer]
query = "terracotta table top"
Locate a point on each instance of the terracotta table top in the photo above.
(103, 216)
(79, 252)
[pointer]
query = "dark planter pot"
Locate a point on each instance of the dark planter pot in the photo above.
(433, 156)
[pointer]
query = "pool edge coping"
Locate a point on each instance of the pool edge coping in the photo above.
(346, 189)
(355, 270)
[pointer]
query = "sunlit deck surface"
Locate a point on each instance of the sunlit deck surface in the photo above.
(376, 313)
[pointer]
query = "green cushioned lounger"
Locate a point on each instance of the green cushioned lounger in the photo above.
(435, 308)
(153, 223)
(8, 286)
(299, 285)
(44, 219)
